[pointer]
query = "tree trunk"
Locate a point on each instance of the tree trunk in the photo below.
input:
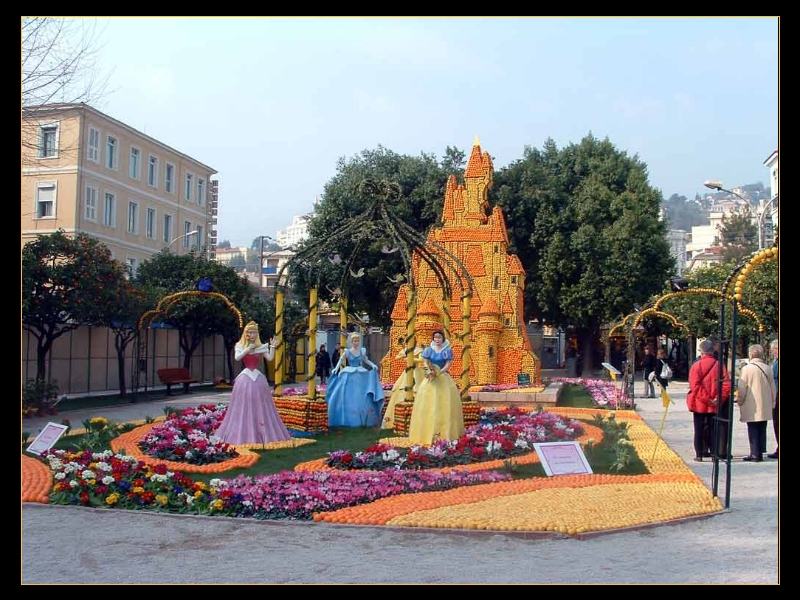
(586, 337)
(121, 341)
(229, 348)
(42, 349)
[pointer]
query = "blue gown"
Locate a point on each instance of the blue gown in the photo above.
(354, 394)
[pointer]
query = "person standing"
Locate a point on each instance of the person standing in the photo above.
(648, 366)
(756, 399)
(336, 353)
(661, 362)
(702, 400)
(774, 349)
(323, 364)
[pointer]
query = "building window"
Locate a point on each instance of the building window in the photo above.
(496, 248)
(48, 141)
(133, 217)
(507, 321)
(491, 351)
(152, 171)
(187, 227)
(199, 237)
(167, 228)
(131, 264)
(188, 186)
(514, 279)
(111, 153)
(201, 192)
(496, 282)
(93, 149)
(90, 211)
(169, 178)
(110, 210)
(150, 223)
(134, 168)
(45, 200)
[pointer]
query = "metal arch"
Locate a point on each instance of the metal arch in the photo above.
(167, 301)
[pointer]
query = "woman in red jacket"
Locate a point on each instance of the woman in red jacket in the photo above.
(702, 398)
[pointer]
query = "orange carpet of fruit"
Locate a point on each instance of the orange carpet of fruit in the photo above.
(36, 480)
(572, 504)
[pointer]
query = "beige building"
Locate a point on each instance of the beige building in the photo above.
(83, 171)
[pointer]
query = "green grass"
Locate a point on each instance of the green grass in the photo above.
(575, 396)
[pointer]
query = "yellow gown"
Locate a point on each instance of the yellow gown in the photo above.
(437, 409)
(399, 394)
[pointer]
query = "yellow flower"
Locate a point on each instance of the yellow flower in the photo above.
(200, 485)
(138, 490)
(112, 499)
(217, 504)
(162, 499)
(98, 421)
(198, 494)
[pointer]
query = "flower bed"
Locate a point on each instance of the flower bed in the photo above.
(503, 434)
(605, 394)
(507, 387)
(106, 479)
(189, 437)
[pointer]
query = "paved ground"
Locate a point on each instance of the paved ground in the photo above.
(80, 545)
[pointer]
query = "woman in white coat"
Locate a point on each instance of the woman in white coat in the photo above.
(756, 398)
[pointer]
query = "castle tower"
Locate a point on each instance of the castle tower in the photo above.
(479, 238)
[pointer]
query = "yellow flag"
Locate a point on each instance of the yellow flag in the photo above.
(665, 399)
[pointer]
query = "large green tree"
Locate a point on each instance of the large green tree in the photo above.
(421, 179)
(196, 317)
(683, 214)
(584, 222)
(66, 282)
(738, 235)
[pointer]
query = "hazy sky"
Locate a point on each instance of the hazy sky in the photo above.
(273, 103)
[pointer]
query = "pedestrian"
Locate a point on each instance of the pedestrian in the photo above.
(756, 398)
(702, 399)
(774, 349)
(323, 364)
(336, 353)
(648, 366)
(660, 371)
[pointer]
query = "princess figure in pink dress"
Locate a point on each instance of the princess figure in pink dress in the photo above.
(252, 417)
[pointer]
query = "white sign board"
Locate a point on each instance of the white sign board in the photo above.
(611, 368)
(47, 438)
(563, 458)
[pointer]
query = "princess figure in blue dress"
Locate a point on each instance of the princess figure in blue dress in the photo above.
(354, 394)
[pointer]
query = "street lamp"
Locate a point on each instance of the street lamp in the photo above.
(717, 185)
(180, 237)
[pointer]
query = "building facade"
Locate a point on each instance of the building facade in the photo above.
(85, 172)
(294, 233)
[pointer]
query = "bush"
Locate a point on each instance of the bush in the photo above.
(39, 398)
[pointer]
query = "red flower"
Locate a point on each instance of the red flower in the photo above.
(84, 498)
(477, 451)
(160, 468)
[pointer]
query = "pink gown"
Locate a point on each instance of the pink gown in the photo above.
(252, 417)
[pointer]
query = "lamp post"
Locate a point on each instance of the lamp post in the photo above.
(180, 237)
(717, 185)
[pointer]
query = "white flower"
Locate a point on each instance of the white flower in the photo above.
(247, 503)
(104, 466)
(189, 454)
(107, 480)
(73, 483)
(215, 482)
(492, 447)
(157, 477)
(87, 474)
(390, 455)
(521, 443)
(60, 475)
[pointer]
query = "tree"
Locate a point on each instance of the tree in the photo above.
(122, 316)
(683, 214)
(584, 222)
(224, 244)
(421, 179)
(196, 318)
(738, 235)
(66, 283)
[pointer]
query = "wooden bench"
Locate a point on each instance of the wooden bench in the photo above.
(178, 375)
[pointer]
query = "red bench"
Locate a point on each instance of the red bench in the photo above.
(173, 376)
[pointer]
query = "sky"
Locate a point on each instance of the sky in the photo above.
(273, 103)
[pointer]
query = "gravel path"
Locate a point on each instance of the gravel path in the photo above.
(80, 545)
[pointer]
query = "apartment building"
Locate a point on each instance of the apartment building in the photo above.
(84, 171)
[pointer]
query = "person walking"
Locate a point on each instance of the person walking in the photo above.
(702, 399)
(756, 398)
(774, 349)
(648, 366)
(323, 364)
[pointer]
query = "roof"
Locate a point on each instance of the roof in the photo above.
(64, 107)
